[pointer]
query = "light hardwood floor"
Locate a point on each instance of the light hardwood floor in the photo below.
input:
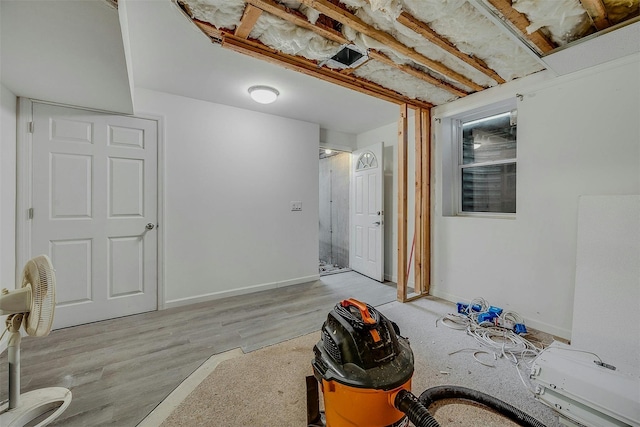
(119, 370)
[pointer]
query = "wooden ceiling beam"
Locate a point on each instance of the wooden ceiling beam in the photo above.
(248, 20)
(597, 12)
(428, 33)
(378, 56)
(521, 22)
(305, 66)
(349, 19)
(295, 17)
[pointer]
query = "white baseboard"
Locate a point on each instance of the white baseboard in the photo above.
(239, 291)
(535, 324)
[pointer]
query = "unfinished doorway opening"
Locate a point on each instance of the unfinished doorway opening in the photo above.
(334, 211)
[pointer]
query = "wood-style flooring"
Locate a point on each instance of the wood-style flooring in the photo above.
(119, 370)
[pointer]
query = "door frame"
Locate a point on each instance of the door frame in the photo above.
(24, 185)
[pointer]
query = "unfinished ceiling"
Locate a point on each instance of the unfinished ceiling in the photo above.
(422, 52)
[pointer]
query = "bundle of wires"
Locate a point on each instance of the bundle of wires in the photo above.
(502, 341)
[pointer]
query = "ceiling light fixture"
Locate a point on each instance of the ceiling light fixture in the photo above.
(263, 94)
(328, 151)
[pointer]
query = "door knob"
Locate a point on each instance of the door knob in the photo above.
(376, 223)
(149, 226)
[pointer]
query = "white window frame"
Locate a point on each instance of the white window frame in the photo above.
(458, 166)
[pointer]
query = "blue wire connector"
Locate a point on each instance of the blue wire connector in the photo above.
(519, 328)
(462, 308)
(487, 316)
(496, 310)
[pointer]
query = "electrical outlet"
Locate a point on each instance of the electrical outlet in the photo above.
(296, 206)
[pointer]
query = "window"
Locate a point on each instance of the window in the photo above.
(367, 160)
(487, 163)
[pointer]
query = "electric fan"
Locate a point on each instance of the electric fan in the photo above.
(32, 306)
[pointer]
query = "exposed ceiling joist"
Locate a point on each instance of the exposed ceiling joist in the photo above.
(300, 20)
(425, 31)
(308, 67)
(597, 12)
(249, 19)
(338, 14)
(521, 23)
(297, 18)
(378, 56)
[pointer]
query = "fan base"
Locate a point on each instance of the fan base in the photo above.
(46, 402)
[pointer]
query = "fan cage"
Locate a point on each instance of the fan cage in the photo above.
(39, 275)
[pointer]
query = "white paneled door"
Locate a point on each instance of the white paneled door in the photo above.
(366, 254)
(94, 199)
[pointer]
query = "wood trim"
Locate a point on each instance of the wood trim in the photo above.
(373, 54)
(295, 17)
(428, 33)
(349, 19)
(305, 66)
(417, 188)
(402, 203)
(521, 23)
(597, 12)
(248, 20)
(425, 119)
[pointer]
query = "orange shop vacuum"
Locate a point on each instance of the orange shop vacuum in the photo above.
(364, 368)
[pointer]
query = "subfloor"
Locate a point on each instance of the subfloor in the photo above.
(119, 370)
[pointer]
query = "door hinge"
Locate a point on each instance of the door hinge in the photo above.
(30, 213)
(30, 127)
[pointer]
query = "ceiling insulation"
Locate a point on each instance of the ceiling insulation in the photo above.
(421, 52)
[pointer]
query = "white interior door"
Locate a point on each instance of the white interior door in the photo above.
(94, 192)
(366, 254)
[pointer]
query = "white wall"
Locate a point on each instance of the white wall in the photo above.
(230, 175)
(7, 192)
(577, 135)
(71, 52)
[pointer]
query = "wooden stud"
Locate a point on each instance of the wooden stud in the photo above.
(597, 12)
(521, 23)
(296, 63)
(402, 203)
(427, 32)
(349, 19)
(300, 20)
(417, 188)
(425, 119)
(248, 20)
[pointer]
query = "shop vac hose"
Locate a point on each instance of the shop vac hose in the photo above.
(454, 392)
(417, 413)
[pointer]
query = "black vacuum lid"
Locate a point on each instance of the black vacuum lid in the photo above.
(362, 348)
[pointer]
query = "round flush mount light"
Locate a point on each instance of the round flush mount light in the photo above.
(263, 94)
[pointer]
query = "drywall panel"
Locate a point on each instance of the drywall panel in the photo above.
(334, 209)
(341, 178)
(8, 111)
(607, 294)
(577, 135)
(230, 178)
(596, 50)
(69, 52)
